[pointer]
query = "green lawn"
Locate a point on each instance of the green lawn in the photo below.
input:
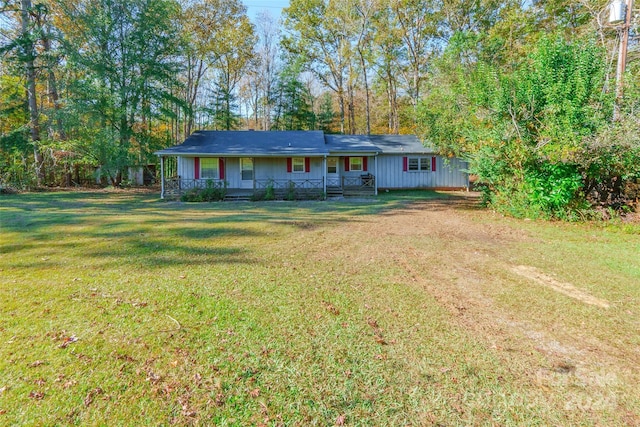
(121, 309)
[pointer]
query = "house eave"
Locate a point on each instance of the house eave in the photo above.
(267, 155)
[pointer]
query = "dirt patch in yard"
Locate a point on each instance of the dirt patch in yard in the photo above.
(470, 262)
(564, 288)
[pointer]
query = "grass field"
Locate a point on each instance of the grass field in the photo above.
(418, 308)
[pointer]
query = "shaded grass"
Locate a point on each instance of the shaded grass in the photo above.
(273, 313)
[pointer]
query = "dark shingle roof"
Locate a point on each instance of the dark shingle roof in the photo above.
(397, 144)
(250, 143)
(292, 143)
(350, 143)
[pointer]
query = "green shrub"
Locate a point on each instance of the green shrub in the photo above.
(291, 191)
(554, 190)
(270, 193)
(213, 191)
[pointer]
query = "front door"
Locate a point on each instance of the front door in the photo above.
(333, 174)
(246, 172)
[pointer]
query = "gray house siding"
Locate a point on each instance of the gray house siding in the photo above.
(263, 168)
(392, 162)
(451, 173)
(186, 167)
(276, 168)
(448, 174)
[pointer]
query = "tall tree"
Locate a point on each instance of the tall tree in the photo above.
(365, 11)
(218, 39)
(293, 107)
(124, 57)
(317, 34)
(267, 65)
(387, 45)
(25, 47)
(417, 21)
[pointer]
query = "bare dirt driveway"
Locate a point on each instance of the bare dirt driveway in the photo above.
(550, 298)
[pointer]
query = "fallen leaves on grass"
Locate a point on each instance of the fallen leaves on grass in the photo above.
(88, 400)
(36, 395)
(377, 332)
(380, 340)
(125, 357)
(36, 363)
(331, 308)
(340, 420)
(153, 377)
(69, 383)
(220, 398)
(68, 340)
(255, 392)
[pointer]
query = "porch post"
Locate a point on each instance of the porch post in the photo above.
(375, 178)
(161, 177)
(324, 176)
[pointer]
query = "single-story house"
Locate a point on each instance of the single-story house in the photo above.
(306, 163)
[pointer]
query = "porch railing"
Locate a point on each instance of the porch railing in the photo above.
(289, 189)
(177, 186)
(363, 185)
(281, 188)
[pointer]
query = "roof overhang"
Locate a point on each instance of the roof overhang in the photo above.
(353, 153)
(236, 155)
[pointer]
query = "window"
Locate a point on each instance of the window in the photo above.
(332, 165)
(209, 168)
(419, 164)
(298, 164)
(246, 168)
(355, 164)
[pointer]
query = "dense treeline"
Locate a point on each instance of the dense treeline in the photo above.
(523, 91)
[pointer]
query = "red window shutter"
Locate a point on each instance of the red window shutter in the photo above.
(364, 164)
(289, 165)
(307, 164)
(196, 167)
(346, 164)
(433, 164)
(405, 164)
(221, 167)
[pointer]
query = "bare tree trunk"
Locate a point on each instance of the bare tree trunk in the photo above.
(392, 102)
(34, 124)
(341, 103)
(193, 87)
(54, 97)
(366, 90)
(352, 112)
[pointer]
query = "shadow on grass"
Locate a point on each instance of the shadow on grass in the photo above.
(141, 230)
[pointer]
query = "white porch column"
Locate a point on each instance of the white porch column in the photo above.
(161, 177)
(324, 176)
(375, 178)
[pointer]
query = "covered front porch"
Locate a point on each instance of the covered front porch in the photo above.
(276, 189)
(267, 177)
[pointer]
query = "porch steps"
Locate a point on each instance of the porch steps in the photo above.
(358, 192)
(237, 198)
(334, 192)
